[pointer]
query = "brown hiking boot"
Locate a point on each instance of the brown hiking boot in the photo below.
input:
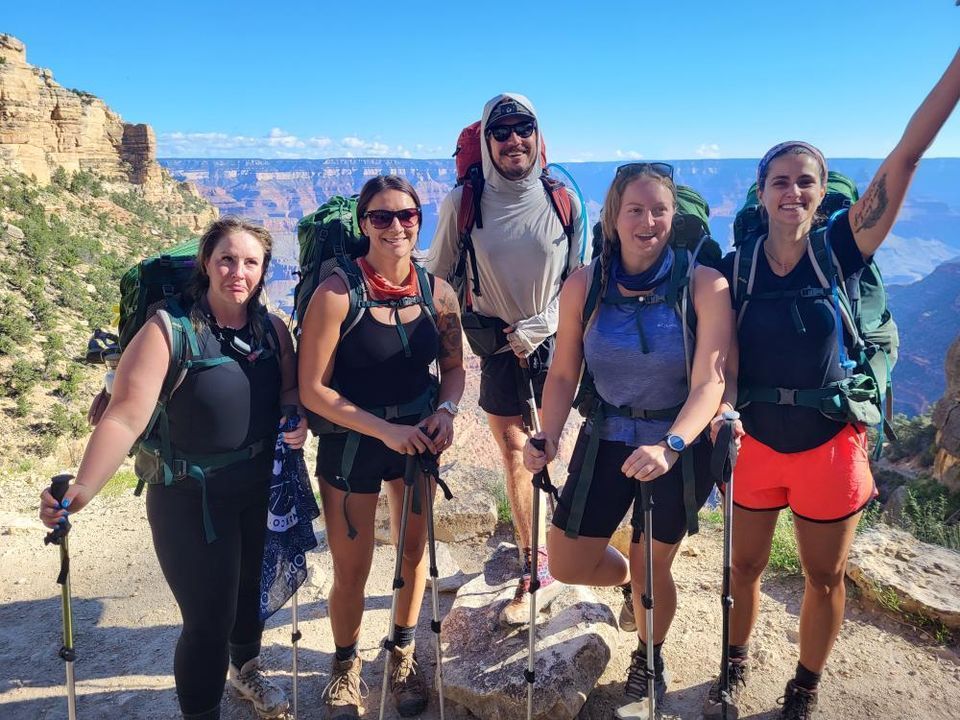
(517, 611)
(344, 693)
(407, 685)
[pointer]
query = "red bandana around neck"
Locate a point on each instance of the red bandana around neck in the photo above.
(383, 289)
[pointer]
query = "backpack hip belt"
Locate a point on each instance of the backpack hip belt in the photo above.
(421, 406)
(172, 466)
(600, 410)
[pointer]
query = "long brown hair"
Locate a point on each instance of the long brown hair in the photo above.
(200, 283)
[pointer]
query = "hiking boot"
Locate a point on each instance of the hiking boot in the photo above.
(636, 689)
(738, 672)
(343, 694)
(628, 622)
(517, 611)
(251, 684)
(798, 703)
(407, 685)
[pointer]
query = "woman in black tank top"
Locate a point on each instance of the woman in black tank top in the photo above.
(231, 406)
(383, 361)
(791, 456)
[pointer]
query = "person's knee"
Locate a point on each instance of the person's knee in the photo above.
(349, 579)
(748, 569)
(825, 581)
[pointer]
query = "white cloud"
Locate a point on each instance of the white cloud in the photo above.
(629, 154)
(278, 143)
(708, 150)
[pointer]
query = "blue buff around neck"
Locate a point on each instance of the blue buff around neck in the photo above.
(649, 278)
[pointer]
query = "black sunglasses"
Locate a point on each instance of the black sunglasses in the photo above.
(662, 169)
(382, 219)
(501, 133)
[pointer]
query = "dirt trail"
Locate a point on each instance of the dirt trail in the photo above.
(126, 625)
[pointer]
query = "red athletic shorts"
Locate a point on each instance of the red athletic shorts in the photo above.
(831, 482)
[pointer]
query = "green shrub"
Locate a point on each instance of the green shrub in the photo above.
(23, 376)
(59, 178)
(15, 328)
(69, 386)
(784, 556)
(85, 181)
(22, 407)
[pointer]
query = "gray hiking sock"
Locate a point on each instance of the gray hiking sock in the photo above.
(404, 635)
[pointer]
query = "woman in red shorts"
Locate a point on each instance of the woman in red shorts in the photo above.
(791, 455)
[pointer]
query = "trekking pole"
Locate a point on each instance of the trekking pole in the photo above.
(58, 536)
(434, 590)
(295, 636)
(722, 462)
(530, 673)
(646, 504)
(409, 476)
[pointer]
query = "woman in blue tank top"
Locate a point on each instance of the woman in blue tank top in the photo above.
(635, 350)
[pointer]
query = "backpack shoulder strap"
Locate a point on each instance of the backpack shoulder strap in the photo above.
(827, 268)
(745, 272)
(426, 282)
(469, 215)
(349, 272)
(560, 199)
(593, 291)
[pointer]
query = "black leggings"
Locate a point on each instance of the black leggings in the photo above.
(216, 585)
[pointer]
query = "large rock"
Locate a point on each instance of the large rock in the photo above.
(44, 125)
(925, 578)
(484, 662)
(946, 418)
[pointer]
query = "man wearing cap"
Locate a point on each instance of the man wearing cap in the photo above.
(522, 257)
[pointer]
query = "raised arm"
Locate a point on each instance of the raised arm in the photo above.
(872, 216)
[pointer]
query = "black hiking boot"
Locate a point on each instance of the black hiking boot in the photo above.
(798, 703)
(738, 672)
(637, 705)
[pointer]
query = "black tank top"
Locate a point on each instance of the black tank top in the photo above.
(228, 406)
(774, 354)
(371, 368)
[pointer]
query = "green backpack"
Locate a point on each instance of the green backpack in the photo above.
(330, 243)
(860, 304)
(154, 287)
(693, 245)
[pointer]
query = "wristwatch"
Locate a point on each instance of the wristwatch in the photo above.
(675, 442)
(449, 406)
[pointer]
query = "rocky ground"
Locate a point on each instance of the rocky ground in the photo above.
(126, 626)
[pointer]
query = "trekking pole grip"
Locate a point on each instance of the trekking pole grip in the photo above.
(58, 488)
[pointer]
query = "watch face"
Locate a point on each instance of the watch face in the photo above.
(676, 443)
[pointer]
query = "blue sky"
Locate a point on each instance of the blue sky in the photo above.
(611, 80)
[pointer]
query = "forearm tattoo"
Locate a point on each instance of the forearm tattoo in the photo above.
(873, 205)
(448, 325)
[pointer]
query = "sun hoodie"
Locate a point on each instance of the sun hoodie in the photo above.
(521, 248)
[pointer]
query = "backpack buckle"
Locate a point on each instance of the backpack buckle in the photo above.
(786, 396)
(179, 468)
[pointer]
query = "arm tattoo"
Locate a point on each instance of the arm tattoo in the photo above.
(448, 324)
(874, 205)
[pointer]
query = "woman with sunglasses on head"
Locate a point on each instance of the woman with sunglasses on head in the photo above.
(383, 361)
(634, 346)
(792, 455)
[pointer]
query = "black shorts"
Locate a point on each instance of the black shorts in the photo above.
(373, 463)
(612, 492)
(503, 383)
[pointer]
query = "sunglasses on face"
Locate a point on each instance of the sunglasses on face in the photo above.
(501, 133)
(382, 219)
(661, 169)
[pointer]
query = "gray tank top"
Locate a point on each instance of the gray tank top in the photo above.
(626, 376)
